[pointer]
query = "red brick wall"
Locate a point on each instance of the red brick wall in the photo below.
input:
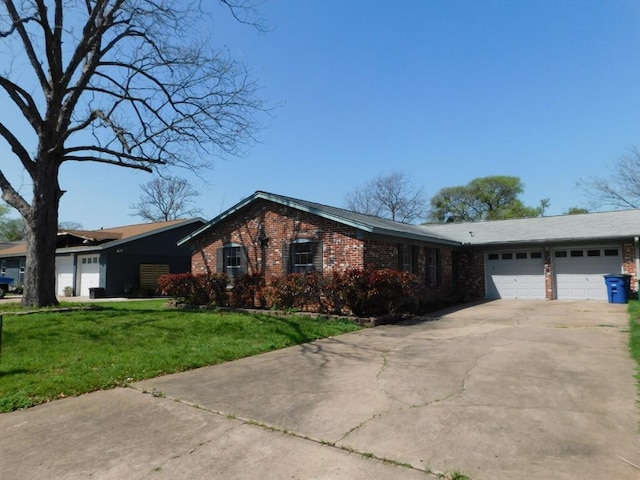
(629, 264)
(471, 282)
(384, 254)
(281, 224)
(343, 246)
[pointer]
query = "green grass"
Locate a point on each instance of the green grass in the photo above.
(634, 333)
(51, 355)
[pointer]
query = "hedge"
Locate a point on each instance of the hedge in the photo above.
(358, 292)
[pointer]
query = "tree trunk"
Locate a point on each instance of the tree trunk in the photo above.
(42, 230)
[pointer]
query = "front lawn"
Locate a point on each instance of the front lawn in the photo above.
(51, 355)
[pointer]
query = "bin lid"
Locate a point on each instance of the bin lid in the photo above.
(617, 275)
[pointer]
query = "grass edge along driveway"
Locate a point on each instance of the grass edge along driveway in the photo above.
(634, 334)
(52, 355)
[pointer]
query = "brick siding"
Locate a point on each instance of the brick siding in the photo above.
(471, 282)
(281, 225)
(629, 264)
(344, 247)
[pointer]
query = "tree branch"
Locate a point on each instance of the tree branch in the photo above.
(18, 149)
(13, 198)
(19, 24)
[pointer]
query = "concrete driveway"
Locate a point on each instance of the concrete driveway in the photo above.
(501, 390)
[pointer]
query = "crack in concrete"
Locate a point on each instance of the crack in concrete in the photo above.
(284, 431)
(385, 362)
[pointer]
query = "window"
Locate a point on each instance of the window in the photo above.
(535, 255)
(232, 260)
(3, 268)
(560, 254)
(434, 267)
(408, 258)
(494, 256)
(232, 263)
(577, 253)
(611, 252)
(507, 256)
(521, 255)
(593, 253)
(305, 256)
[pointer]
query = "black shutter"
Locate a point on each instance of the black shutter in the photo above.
(244, 260)
(317, 257)
(220, 260)
(286, 257)
(414, 259)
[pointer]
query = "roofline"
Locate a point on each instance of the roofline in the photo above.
(551, 241)
(291, 202)
(115, 243)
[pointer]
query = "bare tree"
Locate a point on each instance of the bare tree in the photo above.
(391, 196)
(70, 226)
(621, 189)
(166, 198)
(128, 83)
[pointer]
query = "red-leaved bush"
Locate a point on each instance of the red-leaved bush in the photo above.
(360, 292)
(248, 291)
(200, 289)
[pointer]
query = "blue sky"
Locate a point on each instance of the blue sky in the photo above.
(445, 91)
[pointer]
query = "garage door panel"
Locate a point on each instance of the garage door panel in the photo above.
(579, 273)
(88, 273)
(64, 274)
(511, 277)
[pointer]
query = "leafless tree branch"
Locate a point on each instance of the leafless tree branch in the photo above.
(620, 190)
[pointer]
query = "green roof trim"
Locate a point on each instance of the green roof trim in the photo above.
(359, 221)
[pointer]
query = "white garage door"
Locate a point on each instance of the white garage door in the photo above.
(64, 274)
(88, 273)
(579, 272)
(515, 275)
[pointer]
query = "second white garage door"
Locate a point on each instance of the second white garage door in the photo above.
(579, 272)
(515, 275)
(88, 273)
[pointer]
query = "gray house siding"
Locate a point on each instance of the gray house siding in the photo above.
(123, 262)
(13, 268)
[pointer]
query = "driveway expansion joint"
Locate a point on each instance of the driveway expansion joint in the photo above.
(283, 431)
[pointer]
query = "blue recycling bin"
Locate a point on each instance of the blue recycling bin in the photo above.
(618, 287)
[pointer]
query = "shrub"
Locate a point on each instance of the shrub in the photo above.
(355, 291)
(379, 292)
(295, 291)
(334, 293)
(248, 291)
(201, 289)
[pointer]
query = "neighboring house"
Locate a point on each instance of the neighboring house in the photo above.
(116, 260)
(561, 257)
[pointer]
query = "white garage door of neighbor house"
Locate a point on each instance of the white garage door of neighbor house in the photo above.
(88, 273)
(579, 272)
(515, 275)
(64, 274)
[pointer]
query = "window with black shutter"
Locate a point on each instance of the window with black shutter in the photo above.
(232, 260)
(305, 256)
(408, 258)
(433, 267)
